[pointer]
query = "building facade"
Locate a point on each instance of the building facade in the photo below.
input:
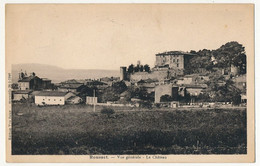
(21, 95)
(91, 100)
(123, 74)
(30, 83)
(33, 82)
(166, 89)
(173, 59)
(77, 87)
(51, 98)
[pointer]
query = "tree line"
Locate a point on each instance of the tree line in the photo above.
(138, 68)
(231, 53)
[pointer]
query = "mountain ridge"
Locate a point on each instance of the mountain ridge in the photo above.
(58, 74)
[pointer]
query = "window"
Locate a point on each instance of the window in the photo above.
(173, 60)
(54, 99)
(49, 99)
(60, 99)
(177, 60)
(177, 65)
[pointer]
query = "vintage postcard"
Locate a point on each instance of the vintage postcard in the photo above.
(130, 83)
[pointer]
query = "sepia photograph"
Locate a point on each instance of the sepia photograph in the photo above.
(130, 82)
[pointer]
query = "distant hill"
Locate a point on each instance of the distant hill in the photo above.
(57, 74)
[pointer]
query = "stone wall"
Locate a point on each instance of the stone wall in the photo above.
(156, 74)
(161, 90)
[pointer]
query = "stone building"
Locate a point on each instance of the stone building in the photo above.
(33, 82)
(123, 74)
(173, 59)
(46, 83)
(30, 83)
(166, 89)
(77, 87)
(195, 89)
(21, 95)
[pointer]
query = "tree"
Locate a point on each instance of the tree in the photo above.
(88, 91)
(232, 53)
(119, 86)
(192, 52)
(166, 98)
(203, 97)
(236, 99)
(146, 68)
(141, 68)
(108, 94)
(130, 69)
(198, 62)
(113, 92)
(14, 86)
(222, 90)
(137, 92)
(137, 68)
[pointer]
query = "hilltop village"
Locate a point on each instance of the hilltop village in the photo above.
(207, 78)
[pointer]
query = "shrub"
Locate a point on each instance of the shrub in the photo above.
(166, 98)
(146, 104)
(107, 111)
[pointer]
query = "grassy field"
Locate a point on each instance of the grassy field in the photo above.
(76, 129)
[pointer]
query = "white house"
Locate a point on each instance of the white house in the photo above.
(52, 97)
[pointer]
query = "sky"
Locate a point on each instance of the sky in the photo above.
(96, 36)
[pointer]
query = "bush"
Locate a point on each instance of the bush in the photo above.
(107, 111)
(146, 104)
(166, 98)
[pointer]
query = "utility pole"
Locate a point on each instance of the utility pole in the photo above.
(94, 100)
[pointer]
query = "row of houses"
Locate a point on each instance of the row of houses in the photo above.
(41, 90)
(47, 97)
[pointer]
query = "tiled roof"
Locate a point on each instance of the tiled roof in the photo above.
(195, 86)
(70, 86)
(51, 93)
(72, 97)
(28, 79)
(174, 53)
(22, 92)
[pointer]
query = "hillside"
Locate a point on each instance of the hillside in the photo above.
(57, 74)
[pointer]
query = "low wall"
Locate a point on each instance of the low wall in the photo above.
(115, 105)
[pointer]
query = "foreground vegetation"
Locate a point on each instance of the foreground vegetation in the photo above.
(76, 129)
